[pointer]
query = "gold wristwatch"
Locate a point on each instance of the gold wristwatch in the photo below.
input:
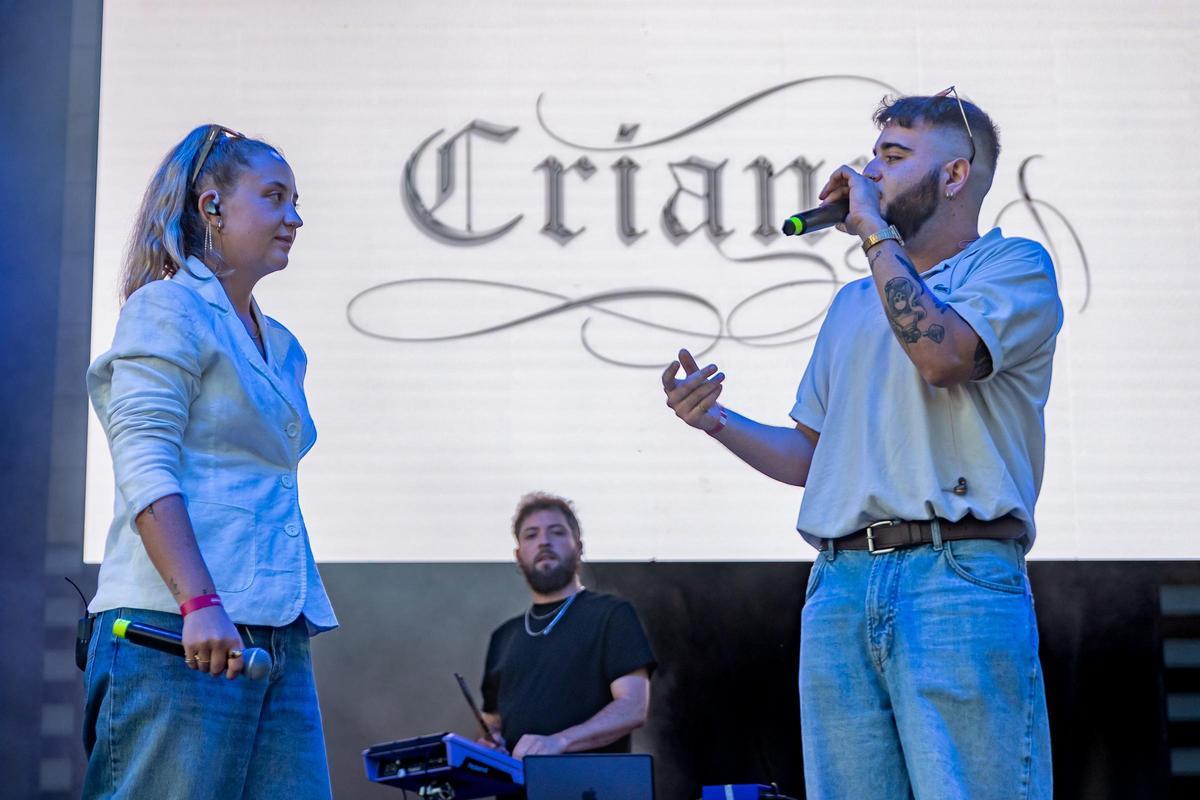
(889, 232)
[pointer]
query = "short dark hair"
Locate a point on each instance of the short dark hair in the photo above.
(942, 112)
(543, 501)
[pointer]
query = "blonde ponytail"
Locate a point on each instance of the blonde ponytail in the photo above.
(156, 245)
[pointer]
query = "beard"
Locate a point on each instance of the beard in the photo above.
(913, 207)
(549, 581)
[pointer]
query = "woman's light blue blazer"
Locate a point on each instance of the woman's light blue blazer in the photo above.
(190, 407)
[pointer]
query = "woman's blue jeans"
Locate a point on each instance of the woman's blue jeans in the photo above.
(155, 729)
(919, 676)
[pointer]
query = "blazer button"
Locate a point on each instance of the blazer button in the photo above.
(292, 429)
(292, 529)
(287, 481)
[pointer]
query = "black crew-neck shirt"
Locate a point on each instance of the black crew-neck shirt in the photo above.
(545, 684)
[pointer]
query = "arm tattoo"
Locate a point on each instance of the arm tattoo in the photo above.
(983, 362)
(916, 276)
(905, 310)
(173, 586)
(905, 300)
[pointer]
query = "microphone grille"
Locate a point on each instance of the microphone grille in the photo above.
(793, 226)
(258, 663)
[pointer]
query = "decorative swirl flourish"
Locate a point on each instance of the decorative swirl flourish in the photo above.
(758, 340)
(706, 121)
(595, 302)
(1031, 203)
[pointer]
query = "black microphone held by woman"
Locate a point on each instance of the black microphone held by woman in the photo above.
(816, 219)
(257, 662)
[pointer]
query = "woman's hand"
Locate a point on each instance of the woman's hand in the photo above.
(208, 638)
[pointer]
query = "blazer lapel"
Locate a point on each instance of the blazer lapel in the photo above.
(202, 280)
(266, 330)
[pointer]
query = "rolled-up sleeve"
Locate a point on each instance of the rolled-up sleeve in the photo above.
(1011, 302)
(142, 389)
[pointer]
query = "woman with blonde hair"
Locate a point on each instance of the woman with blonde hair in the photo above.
(201, 397)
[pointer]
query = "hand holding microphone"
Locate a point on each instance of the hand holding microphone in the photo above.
(253, 662)
(209, 636)
(851, 202)
(862, 193)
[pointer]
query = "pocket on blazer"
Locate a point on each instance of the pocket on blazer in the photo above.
(228, 540)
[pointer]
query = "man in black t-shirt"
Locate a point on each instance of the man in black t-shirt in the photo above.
(571, 674)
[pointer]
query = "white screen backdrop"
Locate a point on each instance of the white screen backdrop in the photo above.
(424, 447)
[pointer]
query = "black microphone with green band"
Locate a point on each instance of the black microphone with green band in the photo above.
(816, 219)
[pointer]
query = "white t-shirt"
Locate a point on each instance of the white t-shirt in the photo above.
(893, 446)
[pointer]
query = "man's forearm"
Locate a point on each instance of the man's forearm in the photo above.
(619, 717)
(944, 348)
(784, 454)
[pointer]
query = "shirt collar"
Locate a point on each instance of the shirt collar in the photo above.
(986, 240)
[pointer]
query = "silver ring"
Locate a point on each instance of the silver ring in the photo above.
(235, 654)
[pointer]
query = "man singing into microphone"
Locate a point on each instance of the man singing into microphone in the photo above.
(919, 440)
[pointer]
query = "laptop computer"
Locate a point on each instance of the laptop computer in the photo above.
(590, 776)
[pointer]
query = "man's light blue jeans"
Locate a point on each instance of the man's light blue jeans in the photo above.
(919, 676)
(155, 729)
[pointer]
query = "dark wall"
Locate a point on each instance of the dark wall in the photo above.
(49, 93)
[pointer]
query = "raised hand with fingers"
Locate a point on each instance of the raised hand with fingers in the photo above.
(694, 399)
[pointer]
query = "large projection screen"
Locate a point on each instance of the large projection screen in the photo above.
(595, 182)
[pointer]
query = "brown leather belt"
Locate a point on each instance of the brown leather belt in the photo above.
(894, 534)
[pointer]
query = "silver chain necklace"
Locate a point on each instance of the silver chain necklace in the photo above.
(557, 606)
(546, 630)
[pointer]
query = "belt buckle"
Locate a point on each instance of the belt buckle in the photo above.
(871, 536)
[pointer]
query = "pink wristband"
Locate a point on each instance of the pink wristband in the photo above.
(197, 603)
(722, 421)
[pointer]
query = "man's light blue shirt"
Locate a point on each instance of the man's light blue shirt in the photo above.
(893, 446)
